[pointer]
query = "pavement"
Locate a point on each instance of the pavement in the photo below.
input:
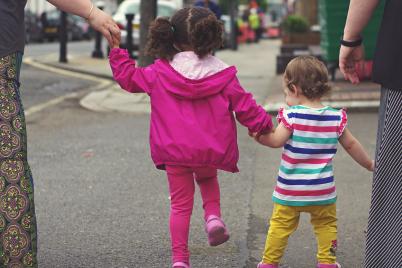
(101, 203)
(251, 61)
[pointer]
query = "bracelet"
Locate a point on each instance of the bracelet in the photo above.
(90, 11)
(354, 43)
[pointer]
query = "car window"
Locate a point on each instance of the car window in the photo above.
(53, 15)
(165, 11)
(129, 8)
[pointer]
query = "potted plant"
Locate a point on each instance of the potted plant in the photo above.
(296, 30)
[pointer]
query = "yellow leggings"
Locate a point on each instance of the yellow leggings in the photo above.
(284, 222)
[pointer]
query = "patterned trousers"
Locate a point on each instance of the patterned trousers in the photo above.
(18, 236)
(384, 233)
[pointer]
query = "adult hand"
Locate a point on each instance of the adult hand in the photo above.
(348, 58)
(104, 23)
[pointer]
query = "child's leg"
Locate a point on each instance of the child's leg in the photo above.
(207, 180)
(323, 218)
(214, 226)
(283, 223)
(181, 186)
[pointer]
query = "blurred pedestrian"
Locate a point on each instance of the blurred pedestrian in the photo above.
(253, 4)
(18, 232)
(384, 239)
(197, 136)
(255, 24)
(214, 7)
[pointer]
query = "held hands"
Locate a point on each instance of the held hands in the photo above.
(254, 135)
(104, 23)
(116, 42)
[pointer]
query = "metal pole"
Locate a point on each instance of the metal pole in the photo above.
(129, 28)
(98, 53)
(148, 11)
(63, 37)
(233, 26)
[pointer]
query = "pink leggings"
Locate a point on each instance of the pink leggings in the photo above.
(181, 186)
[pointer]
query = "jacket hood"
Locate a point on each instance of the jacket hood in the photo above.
(186, 88)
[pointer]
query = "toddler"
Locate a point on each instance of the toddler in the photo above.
(309, 132)
(194, 97)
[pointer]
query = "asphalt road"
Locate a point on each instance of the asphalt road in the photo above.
(38, 86)
(101, 203)
(43, 49)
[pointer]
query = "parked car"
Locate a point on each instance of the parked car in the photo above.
(33, 28)
(51, 23)
(87, 31)
(165, 9)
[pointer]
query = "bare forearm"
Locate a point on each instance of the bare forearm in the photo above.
(270, 139)
(359, 14)
(267, 140)
(81, 8)
(359, 154)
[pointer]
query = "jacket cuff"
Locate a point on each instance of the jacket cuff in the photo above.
(117, 52)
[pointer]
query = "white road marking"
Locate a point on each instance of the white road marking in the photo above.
(102, 83)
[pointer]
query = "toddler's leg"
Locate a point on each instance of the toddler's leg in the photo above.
(323, 218)
(181, 186)
(283, 223)
(207, 180)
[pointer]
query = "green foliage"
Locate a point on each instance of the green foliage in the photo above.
(295, 24)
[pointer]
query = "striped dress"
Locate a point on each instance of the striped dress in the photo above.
(306, 176)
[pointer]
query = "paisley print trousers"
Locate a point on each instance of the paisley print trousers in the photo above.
(18, 236)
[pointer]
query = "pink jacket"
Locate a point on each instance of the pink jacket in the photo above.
(192, 121)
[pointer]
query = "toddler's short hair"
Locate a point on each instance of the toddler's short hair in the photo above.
(310, 74)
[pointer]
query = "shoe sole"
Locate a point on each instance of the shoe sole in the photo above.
(217, 236)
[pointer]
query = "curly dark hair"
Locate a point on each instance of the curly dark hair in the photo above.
(196, 28)
(310, 74)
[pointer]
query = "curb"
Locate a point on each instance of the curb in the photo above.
(112, 100)
(354, 105)
(72, 69)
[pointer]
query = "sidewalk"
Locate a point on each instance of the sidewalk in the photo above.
(256, 70)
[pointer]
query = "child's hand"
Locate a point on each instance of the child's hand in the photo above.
(116, 41)
(252, 134)
(371, 167)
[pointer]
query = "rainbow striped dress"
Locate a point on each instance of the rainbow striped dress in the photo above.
(306, 176)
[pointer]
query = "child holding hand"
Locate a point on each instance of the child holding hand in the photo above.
(194, 97)
(309, 132)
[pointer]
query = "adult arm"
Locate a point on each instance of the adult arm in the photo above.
(360, 12)
(98, 19)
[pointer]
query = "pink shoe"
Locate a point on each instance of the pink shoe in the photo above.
(262, 265)
(322, 265)
(216, 230)
(180, 265)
